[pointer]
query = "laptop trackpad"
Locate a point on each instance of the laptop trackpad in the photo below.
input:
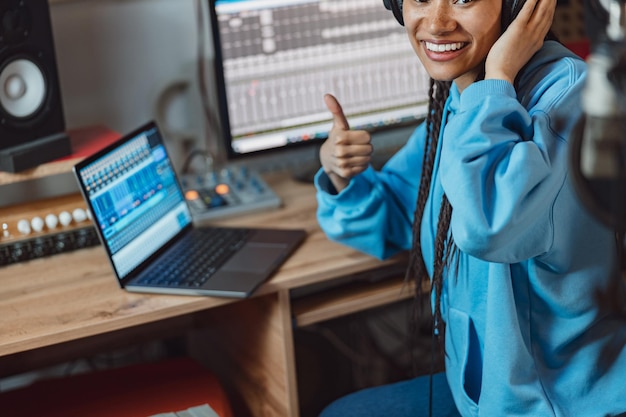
(255, 258)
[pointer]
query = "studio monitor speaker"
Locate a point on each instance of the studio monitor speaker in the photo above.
(32, 125)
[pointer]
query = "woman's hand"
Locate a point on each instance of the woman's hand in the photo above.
(522, 39)
(346, 152)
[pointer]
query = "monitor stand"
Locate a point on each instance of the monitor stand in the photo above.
(305, 172)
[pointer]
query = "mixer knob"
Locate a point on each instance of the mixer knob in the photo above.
(23, 226)
(81, 239)
(37, 224)
(51, 221)
(61, 242)
(79, 215)
(65, 218)
(18, 253)
(39, 247)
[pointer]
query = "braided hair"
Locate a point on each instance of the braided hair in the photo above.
(416, 271)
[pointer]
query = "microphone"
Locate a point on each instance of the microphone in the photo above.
(598, 153)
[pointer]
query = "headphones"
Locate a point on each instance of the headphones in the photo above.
(396, 7)
(510, 9)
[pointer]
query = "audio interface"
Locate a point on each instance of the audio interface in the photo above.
(233, 190)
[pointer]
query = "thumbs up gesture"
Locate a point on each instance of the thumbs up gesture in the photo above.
(346, 152)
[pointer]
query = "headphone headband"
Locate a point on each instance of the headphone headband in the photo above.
(396, 7)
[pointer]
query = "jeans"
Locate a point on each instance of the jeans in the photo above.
(401, 399)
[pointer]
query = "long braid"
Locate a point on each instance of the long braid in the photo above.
(443, 250)
(438, 94)
(416, 271)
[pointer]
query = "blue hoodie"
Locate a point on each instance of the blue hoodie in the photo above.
(535, 322)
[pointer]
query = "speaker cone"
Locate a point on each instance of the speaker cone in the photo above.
(22, 88)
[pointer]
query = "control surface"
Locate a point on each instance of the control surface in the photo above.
(231, 191)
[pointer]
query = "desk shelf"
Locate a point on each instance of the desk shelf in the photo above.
(348, 299)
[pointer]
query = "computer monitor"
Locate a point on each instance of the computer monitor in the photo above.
(275, 59)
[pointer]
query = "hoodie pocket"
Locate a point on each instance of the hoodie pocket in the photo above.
(463, 361)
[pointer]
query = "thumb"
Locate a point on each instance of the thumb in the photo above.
(339, 119)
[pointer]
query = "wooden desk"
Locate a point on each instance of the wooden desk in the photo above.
(69, 305)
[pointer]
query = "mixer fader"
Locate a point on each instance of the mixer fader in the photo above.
(230, 191)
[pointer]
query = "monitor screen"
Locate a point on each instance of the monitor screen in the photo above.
(275, 60)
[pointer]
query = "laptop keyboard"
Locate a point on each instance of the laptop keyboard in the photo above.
(192, 262)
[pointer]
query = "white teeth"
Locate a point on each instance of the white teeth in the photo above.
(443, 47)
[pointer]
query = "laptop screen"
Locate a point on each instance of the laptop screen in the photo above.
(135, 198)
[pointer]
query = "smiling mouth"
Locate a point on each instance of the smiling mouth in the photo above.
(444, 47)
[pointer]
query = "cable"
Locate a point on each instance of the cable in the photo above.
(209, 160)
(213, 125)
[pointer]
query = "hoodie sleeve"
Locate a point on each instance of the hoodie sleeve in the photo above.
(374, 213)
(504, 161)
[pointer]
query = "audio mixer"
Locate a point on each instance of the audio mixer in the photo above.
(45, 228)
(231, 191)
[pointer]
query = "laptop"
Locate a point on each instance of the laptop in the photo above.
(145, 224)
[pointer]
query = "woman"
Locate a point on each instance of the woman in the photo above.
(526, 289)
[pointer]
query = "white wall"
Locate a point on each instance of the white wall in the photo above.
(114, 57)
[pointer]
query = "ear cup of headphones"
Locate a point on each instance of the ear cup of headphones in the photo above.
(396, 7)
(510, 10)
